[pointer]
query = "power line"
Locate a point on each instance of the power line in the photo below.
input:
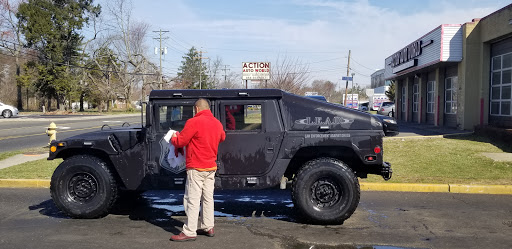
(373, 70)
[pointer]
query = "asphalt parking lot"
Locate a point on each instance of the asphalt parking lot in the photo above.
(263, 219)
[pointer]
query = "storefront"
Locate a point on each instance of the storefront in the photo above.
(457, 75)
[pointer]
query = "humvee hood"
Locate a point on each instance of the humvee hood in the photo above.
(119, 139)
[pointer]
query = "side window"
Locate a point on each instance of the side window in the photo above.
(243, 117)
(174, 116)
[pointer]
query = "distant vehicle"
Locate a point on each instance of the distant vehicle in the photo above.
(364, 106)
(386, 108)
(8, 111)
(376, 100)
(389, 125)
(317, 97)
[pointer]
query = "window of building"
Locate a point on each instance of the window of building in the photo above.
(415, 97)
(404, 97)
(450, 95)
(501, 85)
(431, 87)
(243, 117)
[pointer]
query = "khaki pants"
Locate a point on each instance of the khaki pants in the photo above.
(198, 191)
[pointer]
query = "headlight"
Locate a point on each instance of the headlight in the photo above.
(391, 121)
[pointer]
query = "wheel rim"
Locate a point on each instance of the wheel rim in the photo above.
(7, 114)
(82, 187)
(325, 193)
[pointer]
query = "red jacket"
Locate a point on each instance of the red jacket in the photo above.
(202, 135)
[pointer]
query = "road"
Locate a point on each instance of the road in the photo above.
(29, 132)
(263, 219)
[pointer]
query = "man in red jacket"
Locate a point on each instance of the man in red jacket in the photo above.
(201, 136)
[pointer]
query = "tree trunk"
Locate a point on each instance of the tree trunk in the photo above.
(20, 98)
(49, 103)
(82, 102)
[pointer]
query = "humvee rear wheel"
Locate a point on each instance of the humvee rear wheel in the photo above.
(326, 191)
(83, 187)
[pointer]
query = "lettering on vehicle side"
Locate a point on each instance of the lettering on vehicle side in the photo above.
(326, 135)
(164, 153)
(321, 121)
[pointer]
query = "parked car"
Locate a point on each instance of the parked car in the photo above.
(389, 125)
(387, 108)
(364, 106)
(317, 97)
(8, 111)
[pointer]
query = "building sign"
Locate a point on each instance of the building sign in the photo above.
(442, 44)
(405, 58)
(255, 70)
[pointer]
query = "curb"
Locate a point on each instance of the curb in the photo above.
(365, 186)
(24, 183)
(438, 188)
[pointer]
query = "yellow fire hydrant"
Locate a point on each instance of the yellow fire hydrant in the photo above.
(52, 132)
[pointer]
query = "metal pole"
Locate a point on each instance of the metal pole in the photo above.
(346, 83)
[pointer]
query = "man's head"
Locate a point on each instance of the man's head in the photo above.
(201, 105)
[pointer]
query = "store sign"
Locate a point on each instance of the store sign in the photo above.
(255, 70)
(405, 58)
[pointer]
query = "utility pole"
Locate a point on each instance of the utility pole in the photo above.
(225, 72)
(201, 65)
(160, 51)
(346, 84)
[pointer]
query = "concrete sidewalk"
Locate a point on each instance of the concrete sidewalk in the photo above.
(21, 158)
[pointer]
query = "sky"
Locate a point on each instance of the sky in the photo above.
(315, 33)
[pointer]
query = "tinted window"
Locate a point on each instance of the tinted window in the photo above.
(243, 117)
(175, 116)
(317, 97)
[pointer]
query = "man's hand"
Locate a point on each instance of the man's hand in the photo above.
(169, 135)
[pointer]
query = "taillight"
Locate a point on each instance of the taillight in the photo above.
(381, 109)
(377, 150)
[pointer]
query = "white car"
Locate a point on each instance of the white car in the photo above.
(8, 111)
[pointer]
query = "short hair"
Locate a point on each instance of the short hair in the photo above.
(202, 104)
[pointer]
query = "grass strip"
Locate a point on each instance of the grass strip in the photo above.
(439, 160)
(39, 169)
(445, 160)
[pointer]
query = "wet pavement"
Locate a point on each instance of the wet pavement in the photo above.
(263, 219)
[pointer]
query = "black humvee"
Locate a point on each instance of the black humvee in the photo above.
(272, 138)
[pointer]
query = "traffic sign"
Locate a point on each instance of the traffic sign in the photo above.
(346, 78)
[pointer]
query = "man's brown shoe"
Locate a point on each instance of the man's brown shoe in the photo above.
(209, 233)
(182, 237)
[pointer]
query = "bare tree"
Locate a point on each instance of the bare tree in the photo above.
(128, 41)
(289, 75)
(11, 38)
(325, 88)
(215, 68)
(231, 81)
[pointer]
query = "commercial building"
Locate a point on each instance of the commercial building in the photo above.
(457, 75)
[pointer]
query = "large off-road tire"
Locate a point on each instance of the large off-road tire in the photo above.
(7, 114)
(325, 191)
(83, 187)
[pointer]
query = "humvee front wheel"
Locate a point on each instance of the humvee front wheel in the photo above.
(326, 191)
(83, 187)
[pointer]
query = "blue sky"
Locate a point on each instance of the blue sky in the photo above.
(315, 32)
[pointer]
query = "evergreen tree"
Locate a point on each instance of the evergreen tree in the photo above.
(391, 92)
(192, 66)
(52, 28)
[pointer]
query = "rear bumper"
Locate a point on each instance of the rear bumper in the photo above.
(386, 172)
